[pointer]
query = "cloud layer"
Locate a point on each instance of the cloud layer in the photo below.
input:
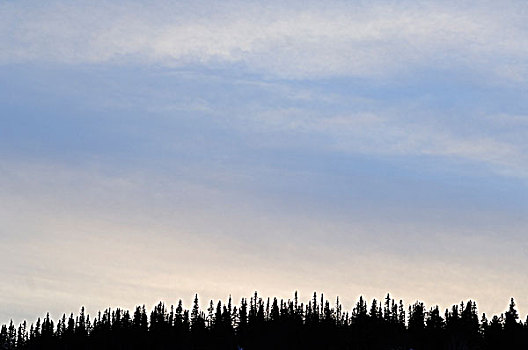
(340, 38)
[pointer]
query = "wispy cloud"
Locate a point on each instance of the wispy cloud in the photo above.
(409, 132)
(378, 39)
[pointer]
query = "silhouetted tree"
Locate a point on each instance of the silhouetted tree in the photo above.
(277, 324)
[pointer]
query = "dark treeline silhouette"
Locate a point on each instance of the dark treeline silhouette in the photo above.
(276, 324)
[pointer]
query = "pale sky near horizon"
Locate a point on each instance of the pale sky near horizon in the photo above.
(151, 150)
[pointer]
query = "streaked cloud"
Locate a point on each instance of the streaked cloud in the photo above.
(378, 39)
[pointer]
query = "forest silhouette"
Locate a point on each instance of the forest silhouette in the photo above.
(258, 323)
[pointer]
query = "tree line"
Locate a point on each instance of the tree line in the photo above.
(258, 323)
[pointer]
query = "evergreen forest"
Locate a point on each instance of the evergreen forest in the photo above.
(268, 323)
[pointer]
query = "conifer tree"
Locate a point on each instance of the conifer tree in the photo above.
(511, 317)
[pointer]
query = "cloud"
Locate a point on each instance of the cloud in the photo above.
(409, 132)
(307, 41)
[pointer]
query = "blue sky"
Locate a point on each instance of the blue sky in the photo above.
(150, 151)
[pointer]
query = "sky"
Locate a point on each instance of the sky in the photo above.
(153, 150)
